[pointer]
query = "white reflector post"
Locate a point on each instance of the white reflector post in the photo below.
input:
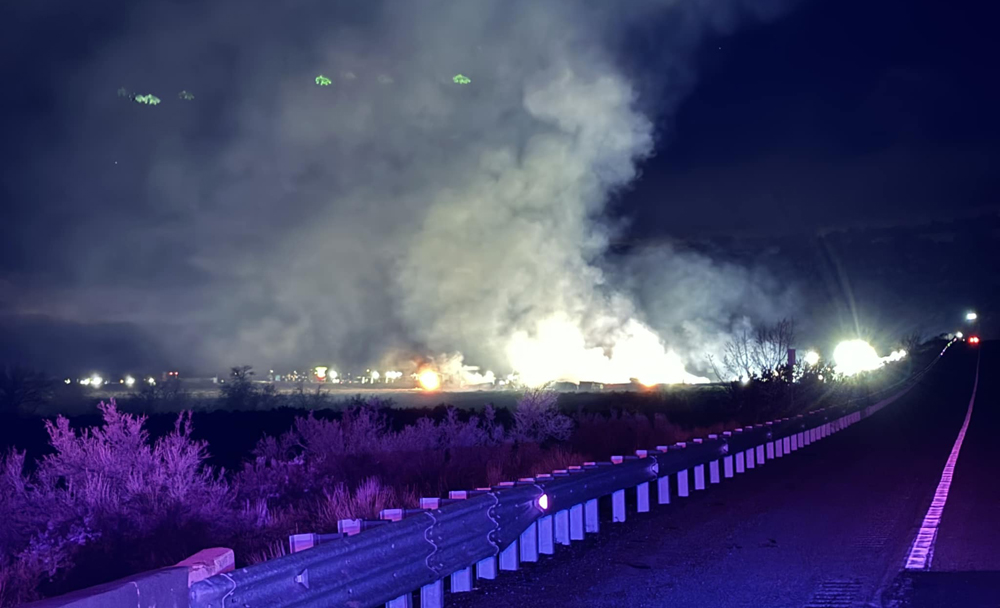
(562, 527)
(508, 557)
(593, 524)
(529, 543)
(713, 471)
(663, 490)
(432, 596)
(642, 497)
(487, 568)
(546, 544)
(576, 525)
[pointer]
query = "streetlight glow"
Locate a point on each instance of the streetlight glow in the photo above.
(971, 316)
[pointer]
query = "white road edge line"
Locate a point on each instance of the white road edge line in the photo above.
(922, 550)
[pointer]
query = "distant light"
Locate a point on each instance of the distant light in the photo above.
(321, 372)
(974, 340)
(429, 380)
(96, 380)
(812, 358)
(375, 376)
(959, 335)
(68, 381)
(129, 381)
(855, 356)
(971, 316)
(151, 381)
(543, 502)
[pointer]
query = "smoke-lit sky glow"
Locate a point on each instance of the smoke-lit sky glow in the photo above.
(396, 217)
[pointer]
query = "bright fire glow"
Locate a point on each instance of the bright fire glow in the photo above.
(429, 380)
(855, 356)
(558, 351)
(321, 372)
(812, 358)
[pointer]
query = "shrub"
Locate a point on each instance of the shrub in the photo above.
(107, 492)
(537, 418)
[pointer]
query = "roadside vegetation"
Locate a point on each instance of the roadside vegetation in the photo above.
(126, 492)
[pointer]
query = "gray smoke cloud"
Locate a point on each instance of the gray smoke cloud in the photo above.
(393, 214)
(698, 303)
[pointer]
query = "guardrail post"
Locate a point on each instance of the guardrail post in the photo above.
(432, 595)
(786, 445)
(529, 543)
(713, 467)
(576, 523)
(642, 490)
(508, 557)
(593, 525)
(727, 460)
(760, 454)
(403, 601)
(618, 497)
(546, 544)
(682, 483)
(662, 484)
(699, 472)
(618, 506)
(562, 527)
(461, 580)
(740, 456)
(487, 568)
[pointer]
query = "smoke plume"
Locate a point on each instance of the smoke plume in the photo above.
(276, 222)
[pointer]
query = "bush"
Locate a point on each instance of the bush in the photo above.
(537, 418)
(112, 503)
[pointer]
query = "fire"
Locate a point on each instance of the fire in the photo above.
(429, 380)
(558, 350)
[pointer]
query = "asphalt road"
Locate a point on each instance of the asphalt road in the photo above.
(828, 525)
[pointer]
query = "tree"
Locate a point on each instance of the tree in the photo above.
(756, 352)
(23, 389)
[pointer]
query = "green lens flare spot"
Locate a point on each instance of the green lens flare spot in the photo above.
(185, 96)
(150, 100)
(459, 79)
(323, 81)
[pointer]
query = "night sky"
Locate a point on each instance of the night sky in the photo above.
(833, 159)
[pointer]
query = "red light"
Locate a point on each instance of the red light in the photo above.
(974, 340)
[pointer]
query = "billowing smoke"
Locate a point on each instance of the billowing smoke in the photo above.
(698, 303)
(394, 211)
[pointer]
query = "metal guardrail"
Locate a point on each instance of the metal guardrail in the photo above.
(487, 528)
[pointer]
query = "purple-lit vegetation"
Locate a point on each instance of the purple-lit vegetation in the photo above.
(109, 501)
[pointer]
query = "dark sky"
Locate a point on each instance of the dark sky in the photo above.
(843, 113)
(823, 115)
